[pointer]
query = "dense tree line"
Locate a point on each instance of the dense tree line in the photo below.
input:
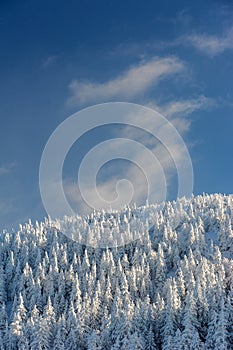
(169, 287)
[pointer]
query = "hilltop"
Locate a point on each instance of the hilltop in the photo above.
(146, 277)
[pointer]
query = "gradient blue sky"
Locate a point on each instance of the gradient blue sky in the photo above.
(53, 51)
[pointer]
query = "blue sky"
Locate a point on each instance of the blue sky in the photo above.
(58, 57)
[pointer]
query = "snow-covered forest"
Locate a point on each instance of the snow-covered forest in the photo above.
(169, 287)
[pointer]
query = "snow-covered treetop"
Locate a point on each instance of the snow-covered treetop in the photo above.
(165, 283)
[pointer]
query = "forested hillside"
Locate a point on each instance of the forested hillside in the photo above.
(169, 287)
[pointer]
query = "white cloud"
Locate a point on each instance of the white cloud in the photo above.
(177, 111)
(7, 168)
(48, 61)
(136, 80)
(211, 45)
(169, 153)
(185, 107)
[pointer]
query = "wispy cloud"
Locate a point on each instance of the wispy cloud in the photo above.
(168, 153)
(7, 168)
(211, 45)
(48, 61)
(136, 80)
(186, 107)
(177, 111)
